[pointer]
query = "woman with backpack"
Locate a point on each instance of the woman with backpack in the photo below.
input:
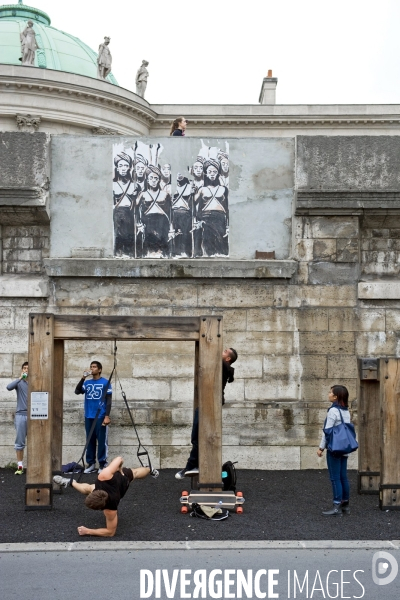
(337, 463)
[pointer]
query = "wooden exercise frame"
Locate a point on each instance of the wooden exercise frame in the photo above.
(47, 333)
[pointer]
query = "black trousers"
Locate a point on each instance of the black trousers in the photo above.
(193, 460)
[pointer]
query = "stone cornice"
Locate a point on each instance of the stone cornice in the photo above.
(344, 202)
(28, 205)
(171, 269)
(284, 122)
(119, 101)
(55, 84)
(278, 116)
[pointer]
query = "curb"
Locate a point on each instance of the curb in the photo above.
(202, 545)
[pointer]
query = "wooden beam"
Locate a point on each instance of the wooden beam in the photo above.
(210, 403)
(74, 327)
(369, 435)
(58, 390)
(196, 377)
(39, 468)
(389, 488)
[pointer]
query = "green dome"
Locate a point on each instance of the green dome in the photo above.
(57, 50)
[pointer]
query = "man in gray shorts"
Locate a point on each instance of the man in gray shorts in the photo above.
(20, 385)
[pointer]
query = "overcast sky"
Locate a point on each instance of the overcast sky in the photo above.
(218, 51)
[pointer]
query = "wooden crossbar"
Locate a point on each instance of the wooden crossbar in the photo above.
(77, 327)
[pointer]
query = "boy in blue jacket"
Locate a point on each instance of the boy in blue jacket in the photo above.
(96, 397)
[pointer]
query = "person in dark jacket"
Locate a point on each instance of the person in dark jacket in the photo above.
(178, 127)
(229, 356)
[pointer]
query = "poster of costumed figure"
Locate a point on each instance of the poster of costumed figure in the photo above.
(154, 218)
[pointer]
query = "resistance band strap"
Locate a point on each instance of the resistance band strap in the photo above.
(141, 451)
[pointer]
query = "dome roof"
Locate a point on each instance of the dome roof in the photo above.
(57, 50)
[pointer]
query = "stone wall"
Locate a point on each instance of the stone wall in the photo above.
(380, 246)
(289, 353)
(299, 323)
(24, 248)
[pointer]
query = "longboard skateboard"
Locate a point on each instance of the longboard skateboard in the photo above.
(223, 499)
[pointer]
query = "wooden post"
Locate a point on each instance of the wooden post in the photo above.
(210, 403)
(196, 377)
(38, 492)
(389, 489)
(58, 389)
(369, 421)
(195, 479)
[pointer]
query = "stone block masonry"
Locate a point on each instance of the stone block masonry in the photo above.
(299, 323)
(24, 248)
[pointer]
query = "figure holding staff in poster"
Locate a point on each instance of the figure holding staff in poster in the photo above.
(153, 216)
(182, 211)
(212, 212)
(125, 192)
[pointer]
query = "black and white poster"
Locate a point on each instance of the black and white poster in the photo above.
(162, 212)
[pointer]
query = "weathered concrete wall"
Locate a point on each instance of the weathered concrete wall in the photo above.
(24, 178)
(348, 162)
(299, 325)
(23, 159)
(260, 196)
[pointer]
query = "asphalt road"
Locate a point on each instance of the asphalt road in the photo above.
(293, 571)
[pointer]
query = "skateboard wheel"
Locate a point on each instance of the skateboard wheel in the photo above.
(185, 493)
(239, 510)
(239, 494)
(185, 509)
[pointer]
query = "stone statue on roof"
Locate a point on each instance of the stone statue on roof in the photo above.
(28, 45)
(141, 79)
(104, 59)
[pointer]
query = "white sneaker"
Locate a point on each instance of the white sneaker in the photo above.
(63, 481)
(180, 474)
(154, 473)
(191, 472)
(90, 468)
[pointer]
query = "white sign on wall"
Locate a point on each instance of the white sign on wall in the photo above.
(39, 405)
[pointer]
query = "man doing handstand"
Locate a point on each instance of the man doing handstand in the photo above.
(106, 493)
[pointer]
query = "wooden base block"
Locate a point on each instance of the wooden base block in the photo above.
(38, 496)
(389, 496)
(368, 482)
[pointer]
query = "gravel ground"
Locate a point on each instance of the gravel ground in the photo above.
(280, 505)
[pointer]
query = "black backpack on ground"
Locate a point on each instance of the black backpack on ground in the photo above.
(229, 476)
